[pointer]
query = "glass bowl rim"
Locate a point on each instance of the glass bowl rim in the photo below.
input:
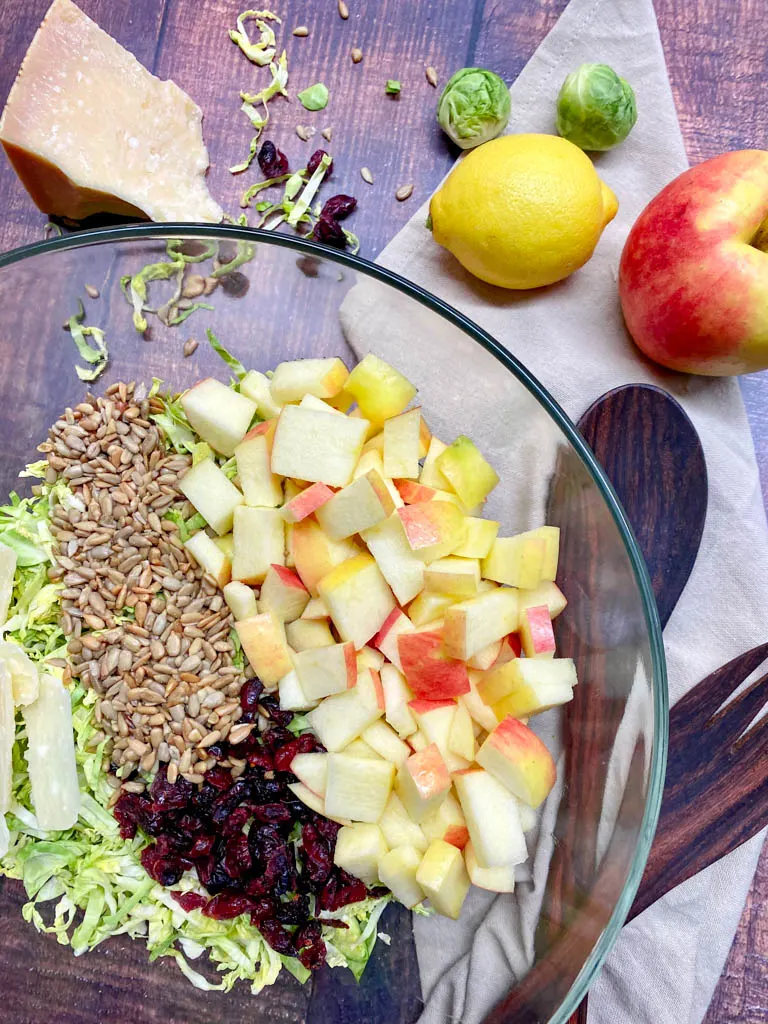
(303, 246)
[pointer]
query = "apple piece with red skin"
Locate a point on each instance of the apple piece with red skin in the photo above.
(265, 646)
(322, 378)
(428, 670)
(396, 698)
(283, 593)
(493, 819)
(423, 782)
(308, 634)
(412, 492)
(433, 528)
(306, 502)
(693, 276)
(536, 634)
(473, 624)
(436, 719)
(447, 823)
(396, 622)
(358, 598)
(360, 505)
(515, 756)
(260, 486)
(314, 554)
(326, 670)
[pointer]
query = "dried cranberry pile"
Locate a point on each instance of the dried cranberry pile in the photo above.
(234, 834)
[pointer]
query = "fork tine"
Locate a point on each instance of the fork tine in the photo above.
(725, 727)
(703, 700)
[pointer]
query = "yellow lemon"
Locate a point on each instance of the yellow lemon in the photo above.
(522, 211)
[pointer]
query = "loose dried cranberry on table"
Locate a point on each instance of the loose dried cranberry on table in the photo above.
(272, 161)
(314, 162)
(330, 232)
(338, 207)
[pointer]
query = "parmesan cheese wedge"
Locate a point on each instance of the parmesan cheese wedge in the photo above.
(51, 756)
(7, 736)
(7, 572)
(89, 130)
(22, 670)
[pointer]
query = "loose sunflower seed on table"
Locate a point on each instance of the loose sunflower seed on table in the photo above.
(148, 632)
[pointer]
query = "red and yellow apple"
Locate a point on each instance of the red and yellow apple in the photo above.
(693, 279)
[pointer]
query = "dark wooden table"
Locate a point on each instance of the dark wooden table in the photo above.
(717, 53)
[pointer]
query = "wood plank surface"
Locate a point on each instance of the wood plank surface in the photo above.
(717, 53)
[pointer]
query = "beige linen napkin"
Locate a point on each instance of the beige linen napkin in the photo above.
(666, 964)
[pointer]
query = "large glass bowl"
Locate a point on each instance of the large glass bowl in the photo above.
(294, 299)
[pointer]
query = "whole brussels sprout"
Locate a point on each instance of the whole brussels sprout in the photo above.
(474, 107)
(596, 108)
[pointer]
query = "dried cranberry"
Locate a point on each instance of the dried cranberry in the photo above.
(228, 801)
(341, 889)
(270, 705)
(165, 870)
(267, 791)
(237, 859)
(129, 811)
(262, 909)
(262, 839)
(273, 814)
(220, 778)
(204, 798)
(212, 875)
(338, 207)
(190, 900)
(277, 936)
(189, 825)
(328, 829)
(169, 796)
(259, 758)
(314, 162)
(236, 821)
(330, 232)
(277, 736)
(250, 694)
(317, 854)
(202, 846)
(309, 945)
(225, 906)
(293, 911)
(256, 887)
(272, 162)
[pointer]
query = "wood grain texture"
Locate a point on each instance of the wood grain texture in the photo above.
(717, 53)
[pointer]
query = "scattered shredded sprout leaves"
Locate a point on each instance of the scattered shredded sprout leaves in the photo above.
(314, 97)
(96, 353)
(392, 87)
(234, 364)
(262, 50)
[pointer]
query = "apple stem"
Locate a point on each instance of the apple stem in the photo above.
(760, 238)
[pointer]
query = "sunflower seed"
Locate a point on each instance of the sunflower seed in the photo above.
(91, 291)
(301, 31)
(343, 10)
(190, 347)
(304, 132)
(366, 175)
(356, 54)
(431, 74)
(403, 193)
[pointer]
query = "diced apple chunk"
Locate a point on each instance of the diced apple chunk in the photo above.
(479, 711)
(473, 624)
(423, 782)
(358, 598)
(312, 770)
(358, 788)
(356, 507)
(214, 496)
(399, 566)
(459, 577)
(493, 819)
(309, 634)
(317, 446)
(292, 697)
(358, 851)
(428, 607)
(515, 756)
(517, 561)
(241, 600)
(551, 537)
(255, 385)
(431, 476)
(322, 378)
(536, 632)
(315, 555)
(500, 879)
(265, 646)
(433, 529)
(359, 748)
(461, 738)
(447, 823)
(486, 657)
(397, 622)
(259, 535)
(435, 719)
(396, 698)
(306, 502)
(314, 802)
(399, 828)
(481, 533)
(429, 672)
(528, 686)
(443, 878)
(341, 718)
(209, 557)
(260, 486)
(315, 609)
(397, 871)
(218, 414)
(546, 593)
(380, 390)
(369, 657)
(226, 543)
(402, 445)
(371, 461)
(283, 593)
(385, 741)
(468, 473)
(326, 670)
